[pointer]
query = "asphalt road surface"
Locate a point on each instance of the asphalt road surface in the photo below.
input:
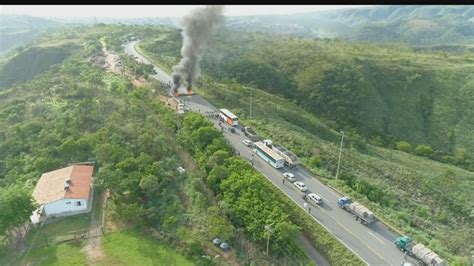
(373, 244)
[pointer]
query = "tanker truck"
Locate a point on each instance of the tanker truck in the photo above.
(422, 254)
(360, 212)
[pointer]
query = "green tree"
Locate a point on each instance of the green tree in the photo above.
(215, 176)
(16, 205)
(150, 184)
(215, 159)
(219, 226)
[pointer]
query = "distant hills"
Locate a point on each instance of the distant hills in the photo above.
(18, 30)
(412, 24)
(417, 25)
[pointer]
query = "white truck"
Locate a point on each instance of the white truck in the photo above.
(420, 252)
(290, 158)
(360, 212)
(180, 108)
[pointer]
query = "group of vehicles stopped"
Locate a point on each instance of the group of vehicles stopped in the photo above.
(278, 156)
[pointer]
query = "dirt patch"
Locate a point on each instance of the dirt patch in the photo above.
(138, 82)
(93, 250)
(110, 60)
(188, 161)
(93, 247)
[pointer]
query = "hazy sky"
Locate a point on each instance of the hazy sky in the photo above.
(130, 11)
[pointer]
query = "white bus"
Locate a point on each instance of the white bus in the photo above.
(269, 155)
(228, 117)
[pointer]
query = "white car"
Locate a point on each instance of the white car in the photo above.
(315, 198)
(247, 142)
(291, 177)
(300, 185)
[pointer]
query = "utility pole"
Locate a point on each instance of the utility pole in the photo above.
(340, 153)
(250, 116)
(269, 231)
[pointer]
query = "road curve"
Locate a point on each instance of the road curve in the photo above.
(373, 244)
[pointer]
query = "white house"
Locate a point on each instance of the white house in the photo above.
(65, 191)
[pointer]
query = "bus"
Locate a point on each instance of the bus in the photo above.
(228, 117)
(268, 155)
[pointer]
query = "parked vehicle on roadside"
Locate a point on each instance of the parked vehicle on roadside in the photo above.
(291, 177)
(251, 134)
(300, 186)
(268, 155)
(360, 212)
(315, 198)
(247, 142)
(422, 254)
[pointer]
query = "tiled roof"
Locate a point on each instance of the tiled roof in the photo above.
(50, 186)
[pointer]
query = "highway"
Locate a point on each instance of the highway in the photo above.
(373, 244)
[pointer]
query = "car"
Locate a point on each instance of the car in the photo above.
(291, 177)
(300, 185)
(247, 142)
(224, 246)
(315, 198)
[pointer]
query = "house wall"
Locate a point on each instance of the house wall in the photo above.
(65, 206)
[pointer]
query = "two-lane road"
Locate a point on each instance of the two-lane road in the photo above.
(373, 244)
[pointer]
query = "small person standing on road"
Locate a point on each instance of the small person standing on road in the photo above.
(305, 205)
(305, 198)
(283, 181)
(309, 209)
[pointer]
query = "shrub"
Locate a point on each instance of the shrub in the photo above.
(424, 150)
(403, 146)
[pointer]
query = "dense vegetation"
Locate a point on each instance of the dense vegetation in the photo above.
(387, 94)
(74, 112)
(32, 62)
(428, 200)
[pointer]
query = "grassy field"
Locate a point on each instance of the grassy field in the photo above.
(63, 254)
(129, 247)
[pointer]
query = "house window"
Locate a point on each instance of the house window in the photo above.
(78, 203)
(68, 202)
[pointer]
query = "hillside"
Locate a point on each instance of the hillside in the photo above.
(75, 112)
(385, 93)
(412, 24)
(16, 30)
(307, 95)
(33, 61)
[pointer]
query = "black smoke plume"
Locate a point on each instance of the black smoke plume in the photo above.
(196, 28)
